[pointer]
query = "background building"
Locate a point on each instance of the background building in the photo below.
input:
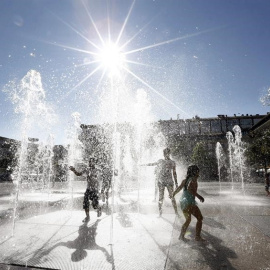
(183, 136)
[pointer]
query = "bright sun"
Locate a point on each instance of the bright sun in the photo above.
(111, 58)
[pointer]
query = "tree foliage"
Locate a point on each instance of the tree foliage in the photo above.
(180, 150)
(258, 150)
(200, 155)
(204, 160)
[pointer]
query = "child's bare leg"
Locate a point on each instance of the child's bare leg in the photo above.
(161, 197)
(86, 205)
(87, 218)
(170, 190)
(87, 212)
(196, 212)
(187, 215)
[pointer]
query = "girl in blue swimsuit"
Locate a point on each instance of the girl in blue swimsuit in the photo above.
(188, 203)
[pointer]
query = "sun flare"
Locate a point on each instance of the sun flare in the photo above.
(111, 58)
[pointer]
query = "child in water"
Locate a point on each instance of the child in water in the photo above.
(188, 203)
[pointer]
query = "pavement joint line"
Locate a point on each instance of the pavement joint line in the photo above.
(255, 215)
(26, 266)
(55, 241)
(170, 244)
(47, 224)
(242, 217)
(255, 226)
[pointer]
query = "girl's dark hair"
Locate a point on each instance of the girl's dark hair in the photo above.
(166, 151)
(192, 170)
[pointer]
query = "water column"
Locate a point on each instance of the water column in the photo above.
(74, 155)
(48, 162)
(116, 145)
(230, 140)
(239, 151)
(28, 97)
(18, 176)
(139, 109)
(218, 155)
(142, 118)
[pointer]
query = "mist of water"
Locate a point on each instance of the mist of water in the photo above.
(236, 149)
(75, 150)
(220, 161)
(29, 100)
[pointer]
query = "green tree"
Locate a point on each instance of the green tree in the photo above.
(258, 149)
(204, 160)
(180, 149)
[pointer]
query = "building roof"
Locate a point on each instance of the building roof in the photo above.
(264, 123)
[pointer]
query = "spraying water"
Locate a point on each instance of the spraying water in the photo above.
(74, 147)
(28, 97)
(219, 155)
(239, 151)
(230, 140)
(236, 151)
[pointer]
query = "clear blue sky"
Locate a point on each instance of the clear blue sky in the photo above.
(217, 60)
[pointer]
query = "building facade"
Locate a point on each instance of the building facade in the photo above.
(181, 135)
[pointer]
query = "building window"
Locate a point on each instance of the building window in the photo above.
(182, 127)
(245, 123)
(232, 123)
(256, 120)
(215, 126)
(194, 127)
(205, 127)
(223, 125)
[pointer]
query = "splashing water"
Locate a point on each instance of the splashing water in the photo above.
(239, 152)
(220, 161)
(28, 98)
(236, 150)
(230, 140)
(75, 148)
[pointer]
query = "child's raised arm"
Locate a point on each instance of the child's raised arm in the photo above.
(179, 188)
(149, 164)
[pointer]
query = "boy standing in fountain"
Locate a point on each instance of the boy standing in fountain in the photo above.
(91, 192)
(165, 172)
(188, 203)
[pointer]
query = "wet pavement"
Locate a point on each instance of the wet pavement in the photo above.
(49, 233)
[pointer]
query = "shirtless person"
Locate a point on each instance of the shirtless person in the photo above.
(188, 203)
(91, 192)
(165, 173)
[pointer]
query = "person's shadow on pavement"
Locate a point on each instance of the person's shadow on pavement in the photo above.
(214, 253)
(86, 240)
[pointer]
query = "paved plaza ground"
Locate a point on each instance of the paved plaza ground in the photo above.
(49, 233)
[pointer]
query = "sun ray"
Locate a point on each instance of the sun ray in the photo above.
(87, 63)
(125, 22)
(76, 31)
(109, 56)
(70, 48)
(81, 82)
(169, 41)
(142, 64)
(136, 34)
(100, 80)
(155, 91)
(93, 23)
(108, 18)
(86, 78)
